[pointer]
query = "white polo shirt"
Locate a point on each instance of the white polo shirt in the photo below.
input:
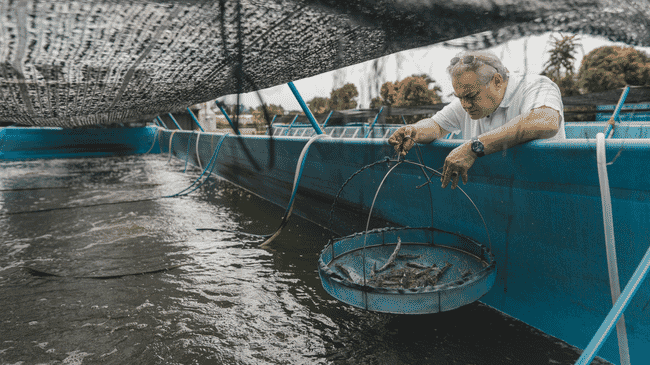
(524, 93)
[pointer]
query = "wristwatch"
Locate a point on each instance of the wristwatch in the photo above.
(478, 147)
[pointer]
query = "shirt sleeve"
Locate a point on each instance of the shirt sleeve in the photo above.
(448, 118)
(543, 93)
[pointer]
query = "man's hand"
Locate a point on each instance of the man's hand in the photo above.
(456, 165)
(403, 139)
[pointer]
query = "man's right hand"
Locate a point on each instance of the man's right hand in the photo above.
(404, 139)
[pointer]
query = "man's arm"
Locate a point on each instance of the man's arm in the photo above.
(423, 131)
(542, 122)
(539, 123)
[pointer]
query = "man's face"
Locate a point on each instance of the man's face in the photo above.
(477, 99)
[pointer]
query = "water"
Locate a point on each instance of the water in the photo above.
(88, 299)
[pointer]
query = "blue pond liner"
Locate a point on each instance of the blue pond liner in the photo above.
(358, 253)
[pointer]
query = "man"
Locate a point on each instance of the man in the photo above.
(494, 111)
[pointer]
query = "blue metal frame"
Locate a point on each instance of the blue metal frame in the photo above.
(617, 111)
(328, 119)
(305, 109)
(195, 120)
(374, 122)
(161, 122)
(291, 125)
(175, 122)
(223, 111)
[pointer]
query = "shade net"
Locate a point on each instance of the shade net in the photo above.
(80, 63)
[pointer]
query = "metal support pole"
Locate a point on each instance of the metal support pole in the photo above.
(291, 125)
(305, 109)
(373, 123)
(174, 120)
(617, 111)
(223, 111)
(328, 119)
(161, 122)
(195, 120)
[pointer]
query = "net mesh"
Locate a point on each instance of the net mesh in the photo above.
(98, 62)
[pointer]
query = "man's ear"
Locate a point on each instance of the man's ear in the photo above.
(498, 80)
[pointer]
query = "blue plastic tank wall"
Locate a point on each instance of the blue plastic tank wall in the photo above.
(639, 116)
(622, 130)
(19, 143)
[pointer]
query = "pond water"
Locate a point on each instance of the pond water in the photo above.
(96, 268)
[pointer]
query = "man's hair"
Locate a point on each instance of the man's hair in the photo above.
(473, 60)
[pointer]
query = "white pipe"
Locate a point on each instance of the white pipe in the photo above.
(612, 265)
(171, 138)
(198, 158)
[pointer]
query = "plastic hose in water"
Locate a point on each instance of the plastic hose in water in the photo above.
(296, 182)
(612, 265)
(287, 213)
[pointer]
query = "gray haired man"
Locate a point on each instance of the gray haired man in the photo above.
(493, 109)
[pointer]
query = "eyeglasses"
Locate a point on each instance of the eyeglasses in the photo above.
(466, 60)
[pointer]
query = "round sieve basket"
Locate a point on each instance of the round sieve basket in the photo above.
(460, 270)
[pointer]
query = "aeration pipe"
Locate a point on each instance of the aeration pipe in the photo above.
(612, 265)
(305, 109)
(617, 110)
(223, 111)
(195, 120)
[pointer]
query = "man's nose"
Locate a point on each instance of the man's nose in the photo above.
(465, 103)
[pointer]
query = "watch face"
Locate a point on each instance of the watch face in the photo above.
(477, 147)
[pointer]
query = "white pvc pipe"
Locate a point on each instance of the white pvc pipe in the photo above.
(198, 158)
(612, 265)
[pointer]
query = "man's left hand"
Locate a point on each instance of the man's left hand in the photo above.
(456, 165)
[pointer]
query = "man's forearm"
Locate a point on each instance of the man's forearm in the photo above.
(428, 130)
(537, 124)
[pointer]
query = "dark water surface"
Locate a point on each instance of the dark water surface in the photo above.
(229, 303)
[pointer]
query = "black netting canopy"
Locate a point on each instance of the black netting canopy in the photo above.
(86, 62)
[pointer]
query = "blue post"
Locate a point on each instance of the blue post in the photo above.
(305, 109)
(174, 120)
(616, 311)
(328, 118)
(619, 106)
(223, 111)
(373, 123)
(195, 120)
(291, 125)
(161, 122)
